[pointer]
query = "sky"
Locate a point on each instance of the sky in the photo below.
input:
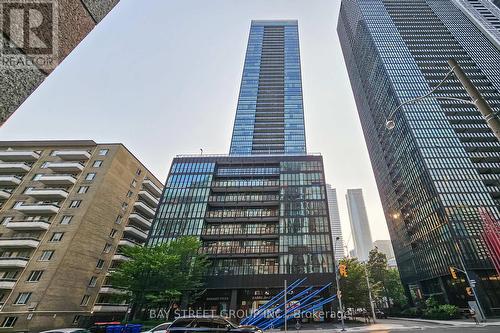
(162, 77)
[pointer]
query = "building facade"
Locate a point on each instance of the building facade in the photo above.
(333, 209)
(360, 227)
(441, 164)
(67, 209)
(384, 246)
(261, 212)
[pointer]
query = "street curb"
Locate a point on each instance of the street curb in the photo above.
(421, 320)
(450, 323)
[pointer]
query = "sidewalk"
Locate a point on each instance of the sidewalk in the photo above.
(458, 322)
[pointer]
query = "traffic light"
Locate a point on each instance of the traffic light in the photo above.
(453, 273)
(343, 270)
(469, 291)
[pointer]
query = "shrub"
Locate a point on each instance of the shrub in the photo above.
(442, 312)
(411, 313)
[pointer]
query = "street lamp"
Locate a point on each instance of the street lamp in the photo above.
(339, 294)
(477, 99)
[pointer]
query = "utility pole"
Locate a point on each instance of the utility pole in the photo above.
(370, 293)
(286, 292)
(477, 99)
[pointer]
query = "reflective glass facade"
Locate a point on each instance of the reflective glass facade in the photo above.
(270, 113)
(441, 163)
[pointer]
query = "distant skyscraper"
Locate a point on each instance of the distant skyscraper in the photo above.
(260, 212)
(270, 113)
(333, 209)
(360, 227)
(385, 247)
(441, 163)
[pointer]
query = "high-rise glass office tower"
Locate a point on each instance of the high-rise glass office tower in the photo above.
(261, 212)
(360, 227)
(333, 209)
(270, 112)
(441, 164)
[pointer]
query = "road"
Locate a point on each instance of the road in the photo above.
(392, 325)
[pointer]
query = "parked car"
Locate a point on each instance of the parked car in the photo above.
(67, 330)
(380, 314)
(162, 328)
(211, 324)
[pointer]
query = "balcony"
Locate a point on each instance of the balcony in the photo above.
(140, 220)
(111, 290)
(4, 195)
(128, 242)
(13, 155)
(37, 208)
(56, 179)
(72, 155)
(148, 198)
(13, 262)
(21, 242)
(133, 231)
(14, 167)
(10, 180)
(28, 225)
(47, 193)
(120, 257)
(109, 307)
(144, 209)
(7, 283)
(151, 187)
(65, 166)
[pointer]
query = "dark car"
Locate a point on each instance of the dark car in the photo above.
(213, 324)
(380, 314)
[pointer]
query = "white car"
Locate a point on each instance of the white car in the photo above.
(68, 330)
(162, 328)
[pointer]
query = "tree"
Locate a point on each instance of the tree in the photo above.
(160, 275)
(354, 288)
(395, 288)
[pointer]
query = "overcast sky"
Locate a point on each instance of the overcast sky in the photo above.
(162, 77)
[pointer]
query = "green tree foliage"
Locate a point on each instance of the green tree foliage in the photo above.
(159, 275)
(387, 279)
(354, 288)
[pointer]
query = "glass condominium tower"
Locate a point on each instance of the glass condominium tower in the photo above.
(261, 212)
(440, 165)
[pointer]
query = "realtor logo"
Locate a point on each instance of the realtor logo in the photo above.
(29, 29)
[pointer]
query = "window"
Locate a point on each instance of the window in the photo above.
(97, 164)
(85, 300)
(66, 219)
(46, 255)
(103, 152)
(113, 232)
(93, 281)
(22, 298)
(138, 172)
(119, 219)
(34, 276)
(75, 203)
(124, 205)
(134, 183)
(56, 236)
(129, 194)
(9, 322)
(83, 189)
(100, 263)
(90, 176)
(76, 319)
(107, 248)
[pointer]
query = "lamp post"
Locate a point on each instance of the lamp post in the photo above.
(339, 294)
(477, 99)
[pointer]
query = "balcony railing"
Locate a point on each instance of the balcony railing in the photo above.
(10, 180)
(128, 242)
(14, 167)
(19, 242)
(46, 193)
(4, 195)
(151, 187)
(37, 208)
(149, 198)
(16, 262)
(28, 225)
(7, 283)
(19, 155)
(110, 307)
(135, 232)
(144, 209)
(72, 155)
(56, 179)
(140, 220)
(65, 166)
